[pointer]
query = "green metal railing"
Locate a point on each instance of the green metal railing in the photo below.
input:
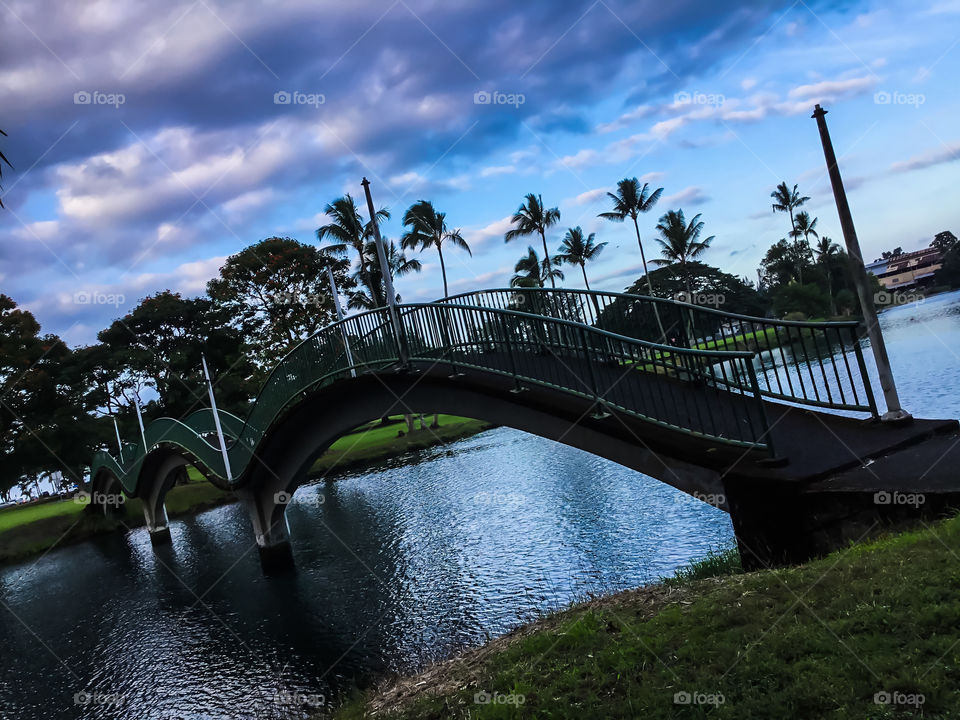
(707, 381)
(820, 364)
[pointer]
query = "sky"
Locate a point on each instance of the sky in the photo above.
(152, 140)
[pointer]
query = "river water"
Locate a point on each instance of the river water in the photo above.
(395, 567)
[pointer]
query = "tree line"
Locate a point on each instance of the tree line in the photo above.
(57, 404)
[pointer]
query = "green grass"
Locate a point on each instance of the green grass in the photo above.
(715, 564)
(815, 641)
(17, 515)
(377, 442)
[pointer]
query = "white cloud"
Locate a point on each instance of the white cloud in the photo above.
(494, 170)
(588, 197)
(478, 237)
(938, 156)
(175, 167)
(692, 195)
(833, 88)
(627, 118)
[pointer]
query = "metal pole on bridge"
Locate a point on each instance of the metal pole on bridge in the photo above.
(385, 271)
(894, 410)
(343, 330)
(143, 435)
(216, 421)
(119, 441)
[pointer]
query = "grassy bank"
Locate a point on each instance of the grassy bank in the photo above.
(26, 530)
(64, 523)
(869, 632)
(377, 442)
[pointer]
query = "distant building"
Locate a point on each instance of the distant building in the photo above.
(909, 270)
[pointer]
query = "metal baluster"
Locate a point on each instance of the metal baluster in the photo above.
(867, 388)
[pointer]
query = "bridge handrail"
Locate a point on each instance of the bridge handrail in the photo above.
(815, 370)
(720, 354)
(481, 330)
(662, 301)
(323, 355)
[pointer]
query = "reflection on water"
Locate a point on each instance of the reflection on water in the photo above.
(395, 567)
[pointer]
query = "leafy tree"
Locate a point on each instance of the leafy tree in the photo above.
(890, 254)
(428, 228)
(532, 218)
(949, 272)
(42, 427)
(680, 241)
(276, 294)
(787, 200)
(160, 343)
(783, 262)
(808, 299)
(846, 301)
(579, 250)
(944, 241)
(347, 231)
(634, 319)
(531, 271)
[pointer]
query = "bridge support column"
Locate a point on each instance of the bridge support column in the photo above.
(157, 525)
(158, 481)
(768, 520)
(269, 520)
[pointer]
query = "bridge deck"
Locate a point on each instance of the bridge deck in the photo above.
(815, 445)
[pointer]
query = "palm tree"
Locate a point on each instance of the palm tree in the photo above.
(787, 200)
(681, 242)
(579, 250)
(399, 266)
(530, 271)
(826, 251)
(348, 230)
(804, 227)
(629, 201)
(428, 228)
(531, 218)
(3, 159)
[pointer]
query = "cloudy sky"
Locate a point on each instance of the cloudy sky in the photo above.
(152, 140)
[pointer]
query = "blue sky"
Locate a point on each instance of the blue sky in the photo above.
(182, 156)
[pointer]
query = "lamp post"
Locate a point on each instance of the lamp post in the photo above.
(387, 278)
(894, 410)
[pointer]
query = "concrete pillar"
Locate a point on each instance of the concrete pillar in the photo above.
(157, 524)
(267, 509)
(769, 523)
(156, 482)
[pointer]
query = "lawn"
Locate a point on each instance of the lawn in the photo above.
(871, 631)
(17, 515)
(376, 442)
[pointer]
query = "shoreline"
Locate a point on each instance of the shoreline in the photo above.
(69, 524)
(852, 634)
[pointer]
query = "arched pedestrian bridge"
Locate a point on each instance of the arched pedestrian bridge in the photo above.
(748, 412)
